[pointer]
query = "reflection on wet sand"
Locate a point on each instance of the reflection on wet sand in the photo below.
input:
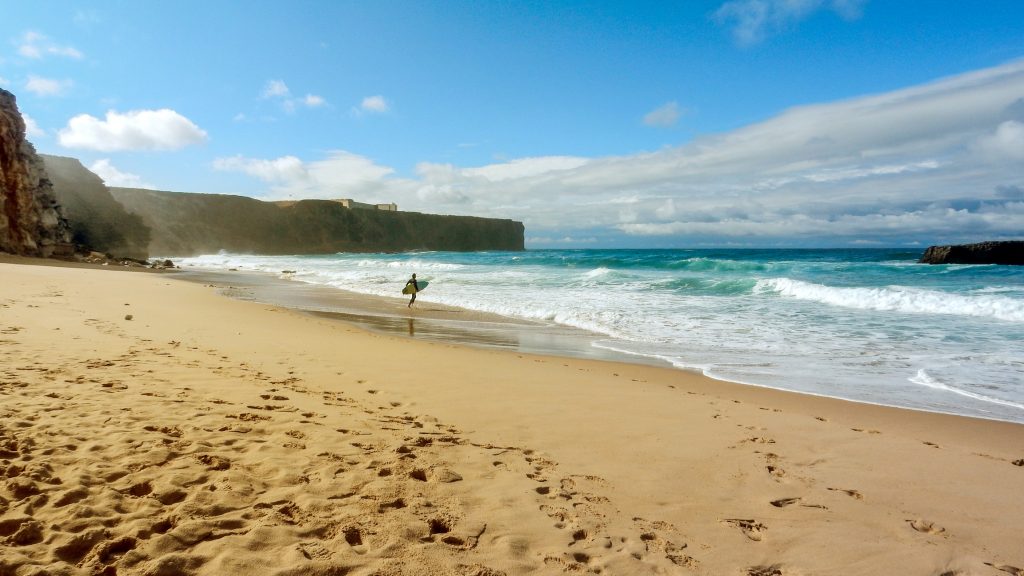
(440, 330)
(430, 321)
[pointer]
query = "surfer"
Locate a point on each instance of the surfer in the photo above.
(415, 289)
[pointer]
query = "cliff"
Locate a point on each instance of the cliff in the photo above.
(97, 220)
(31, 221)
(1005, 252)
(48, 202)
(187, 224)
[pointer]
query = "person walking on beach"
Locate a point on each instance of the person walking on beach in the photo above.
(415, 289)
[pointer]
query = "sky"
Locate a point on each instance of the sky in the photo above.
(667, 124)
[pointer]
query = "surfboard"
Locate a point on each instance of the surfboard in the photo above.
(409, 289)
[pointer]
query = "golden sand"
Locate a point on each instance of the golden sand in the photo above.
(151, 426)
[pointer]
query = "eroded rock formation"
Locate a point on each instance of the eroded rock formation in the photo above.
(1004, 252)
(97, 219)
(31, 222)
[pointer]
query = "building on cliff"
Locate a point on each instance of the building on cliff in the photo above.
(350, 203)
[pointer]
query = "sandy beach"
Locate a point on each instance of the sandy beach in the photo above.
(152, 426)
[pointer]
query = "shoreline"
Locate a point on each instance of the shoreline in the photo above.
(428, 320)
(444, 323)
(208, 435)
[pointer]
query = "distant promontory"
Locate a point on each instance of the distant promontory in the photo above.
(184, 224)
(140, 223)
(54, 206)
(1003, 252)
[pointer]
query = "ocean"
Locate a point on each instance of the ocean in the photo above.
(867, 325)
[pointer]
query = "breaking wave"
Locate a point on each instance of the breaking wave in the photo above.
(898, 299)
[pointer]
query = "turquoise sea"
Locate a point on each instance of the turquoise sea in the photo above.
(869, 325)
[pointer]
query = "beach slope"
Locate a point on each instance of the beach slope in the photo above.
(151, 426)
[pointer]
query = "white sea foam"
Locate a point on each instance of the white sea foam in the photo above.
(923, 378)
(415, 264)
(733, 322)
(898, 299)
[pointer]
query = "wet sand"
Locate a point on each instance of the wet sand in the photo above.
(152, 426)
(425, 320)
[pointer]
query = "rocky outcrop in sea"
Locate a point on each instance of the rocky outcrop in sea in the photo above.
(31, 221)
(1003, 252)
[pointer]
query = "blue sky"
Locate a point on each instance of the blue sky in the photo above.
(662, 124)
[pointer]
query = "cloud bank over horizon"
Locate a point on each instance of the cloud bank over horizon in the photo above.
(942, 160)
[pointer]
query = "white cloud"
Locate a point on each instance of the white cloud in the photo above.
(47, 86)
(4, 81)
(1006, 142)
(931, 220)
(113, 177)
(313, 101)
(524, 168)
(32, 129)
(340, 175)
(162, 129)
(278, 90)
(663, 116)
(37, 46)
(753, 20)
(374, 105)
(935, 159)
(284, 169)
(275, 89)
(666, 210)
(565, 240)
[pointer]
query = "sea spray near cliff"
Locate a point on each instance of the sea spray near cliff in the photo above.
(867, 325)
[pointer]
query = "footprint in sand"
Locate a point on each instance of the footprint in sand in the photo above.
(926, 526)
(772, 465)
(773, 570)
(851, 493)
(1013, 570)
(751, 528)
(21, 531)
(213, 462)
(783, 502)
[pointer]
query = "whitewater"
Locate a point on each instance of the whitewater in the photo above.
(864, 325)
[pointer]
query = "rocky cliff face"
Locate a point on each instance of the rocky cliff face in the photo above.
(97, 220)
(31, 222)
(1005, 252)
(135, 223)
(185, 224)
